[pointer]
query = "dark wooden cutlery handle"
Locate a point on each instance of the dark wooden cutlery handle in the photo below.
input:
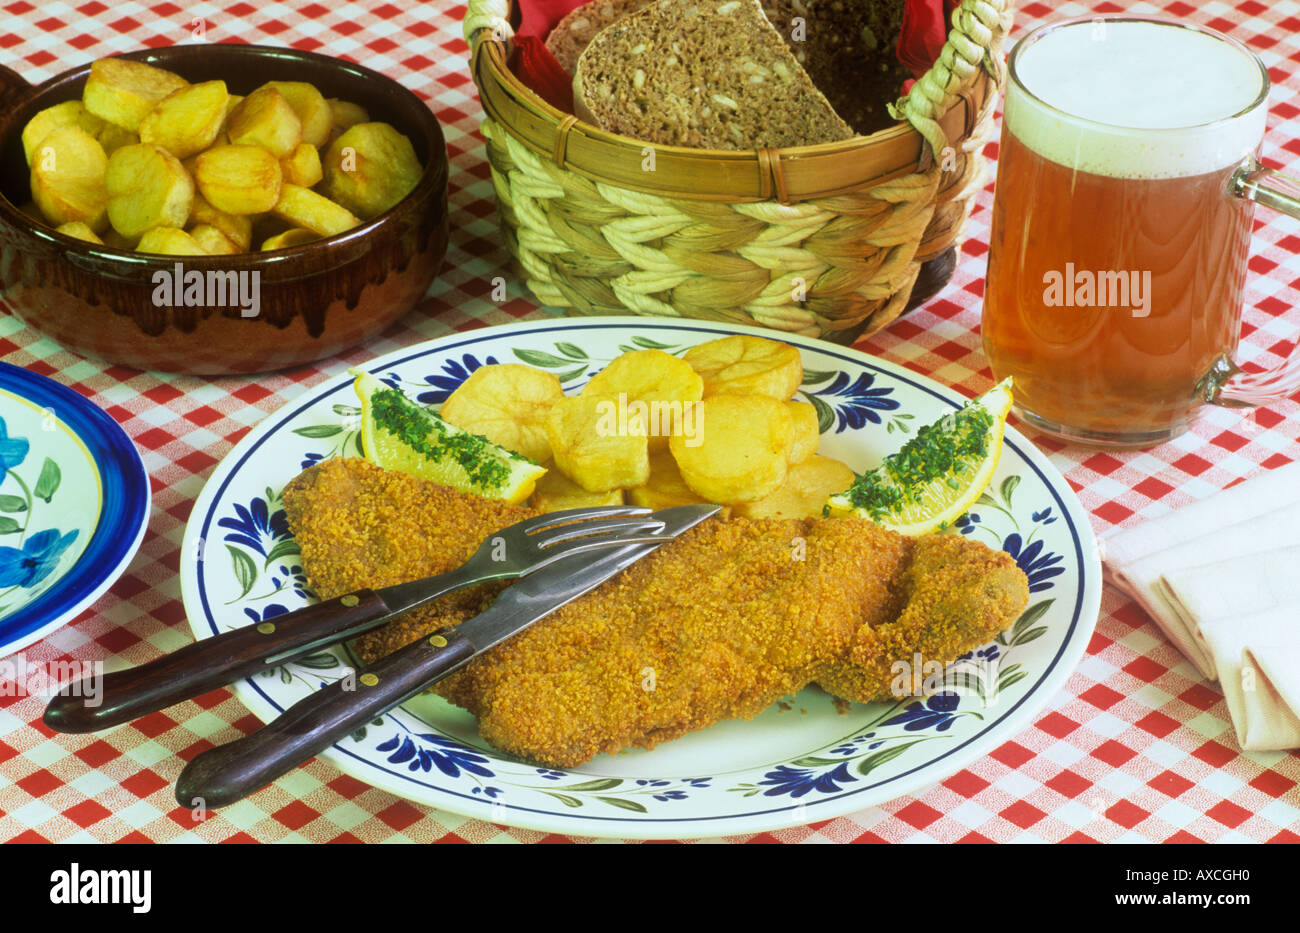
(211, 663)
(228, 773)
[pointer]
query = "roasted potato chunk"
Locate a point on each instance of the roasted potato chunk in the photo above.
(507, 403)
(188, 120)
(742, 450)
(170, 240)
(237, 228)
(211, 240)
(238, 179)
(264, 118)
(79, 230)
(312, 109)
(123, 92)
(744, 365)
(304, 208)
(344, 115)
(590, 450)
(294, 236)
(808, 484)
(665, 487)
(369, 168)
(657, 386)
(147, 187)
(67, 178)
(68, 113)
(555, 492)
(807, 432)
(302, 167)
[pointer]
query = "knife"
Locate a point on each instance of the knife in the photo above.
(228, 773)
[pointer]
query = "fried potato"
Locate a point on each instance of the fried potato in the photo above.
(807, 431)
(238, 179)
(744, 365)
(265, 118)
(68, 113)
(304, 208)
(302, 167)
(555, 491)
(123, 92)
(170, 240)
(79, 230)
(807, 486)
(188, 120)
(590, 450)
(664, 383)
(212, 240)
(507, 403)
(294, 236)
(147, 187)
(237, 228)
(67, 178)
(665, 487)
(741, 452)
(344, 115)
(369, 168)
(313, 111)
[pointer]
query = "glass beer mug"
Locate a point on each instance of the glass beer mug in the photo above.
(1127, 179)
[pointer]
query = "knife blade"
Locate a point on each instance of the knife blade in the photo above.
(228, 773)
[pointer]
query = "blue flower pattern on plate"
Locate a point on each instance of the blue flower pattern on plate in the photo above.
(254, 524)
(35, 560)
(939, 711)
(860, 401)
(456, 373)
(1039, 566)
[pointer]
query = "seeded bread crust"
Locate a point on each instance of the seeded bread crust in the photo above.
(572, 34)
(712, 74)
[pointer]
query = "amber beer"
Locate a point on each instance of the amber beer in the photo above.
(1118, 253)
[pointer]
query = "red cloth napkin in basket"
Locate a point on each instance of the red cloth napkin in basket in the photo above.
(924, 29)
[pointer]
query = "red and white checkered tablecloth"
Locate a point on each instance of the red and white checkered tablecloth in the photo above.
(1137, 747)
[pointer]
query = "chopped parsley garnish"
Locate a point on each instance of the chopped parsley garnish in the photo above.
(937, 451)
(428, 435)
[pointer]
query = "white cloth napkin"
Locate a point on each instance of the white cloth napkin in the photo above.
(1221, 578)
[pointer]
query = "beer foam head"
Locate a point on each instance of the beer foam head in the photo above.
(1135, 99)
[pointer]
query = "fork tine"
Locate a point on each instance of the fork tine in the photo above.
(605, 528)
(542, 522)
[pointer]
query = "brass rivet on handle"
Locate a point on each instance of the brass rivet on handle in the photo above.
(369, 679)
(349, 600)
(266, 628)
(438, 641)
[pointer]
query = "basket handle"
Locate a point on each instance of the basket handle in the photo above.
(975, 41)
(488, 19)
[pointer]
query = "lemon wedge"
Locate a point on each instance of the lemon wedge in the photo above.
(399, 434)
(935, 477)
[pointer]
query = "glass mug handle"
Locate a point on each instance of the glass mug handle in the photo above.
(1227, 384)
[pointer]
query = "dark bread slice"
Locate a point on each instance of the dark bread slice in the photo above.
(572, 34)
(705, 73)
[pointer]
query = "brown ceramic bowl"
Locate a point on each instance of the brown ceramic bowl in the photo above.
(313, 301)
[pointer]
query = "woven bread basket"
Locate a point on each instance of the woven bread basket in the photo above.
(824, 240)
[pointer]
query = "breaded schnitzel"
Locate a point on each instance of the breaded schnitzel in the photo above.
(716, 625)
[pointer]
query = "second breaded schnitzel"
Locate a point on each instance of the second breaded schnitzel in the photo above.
(716, 625)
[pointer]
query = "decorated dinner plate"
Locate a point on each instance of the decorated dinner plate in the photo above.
(807, 758)
(74, 502)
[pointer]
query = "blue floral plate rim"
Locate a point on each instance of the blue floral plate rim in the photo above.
(437, 792)
(123, 514)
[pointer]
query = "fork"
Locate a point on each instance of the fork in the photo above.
(510, 553)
